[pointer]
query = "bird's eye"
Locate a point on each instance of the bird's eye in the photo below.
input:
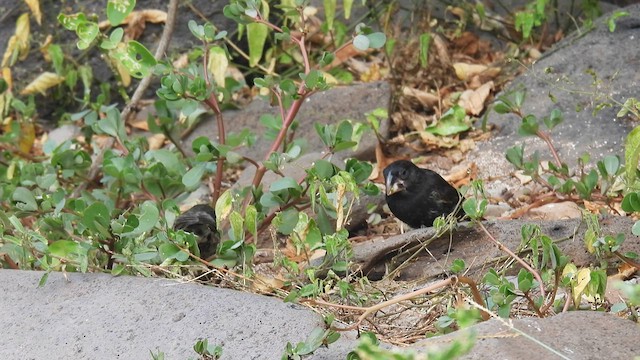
(403, 173)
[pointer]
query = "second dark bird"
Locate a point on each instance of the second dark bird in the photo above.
(201, 221)
(418, 196)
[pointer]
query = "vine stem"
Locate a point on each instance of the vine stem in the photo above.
(514, 256)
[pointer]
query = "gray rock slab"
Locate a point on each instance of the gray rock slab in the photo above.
(472, 245)
(331, 106)
(565, 72)
(99, 316)
(574, 335)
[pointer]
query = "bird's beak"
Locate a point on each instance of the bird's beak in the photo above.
(393, 185)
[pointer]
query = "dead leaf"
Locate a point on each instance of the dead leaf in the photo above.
(472, 101)
(18, 44)
(43, 82)
(465, 71)
(34, 6)
(156, 141)
(343, 54)
(382, 161)
(442, 50)
(438, 141)
(148, 15)
(266, 284)
(462, 174)
(425, 98)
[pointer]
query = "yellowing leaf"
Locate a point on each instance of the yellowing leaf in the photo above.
(26, 135)
(6, 75)
(18, 44)
(34, 6)
(218, 64)
(581, 281)
(43, 82)
(125, 76)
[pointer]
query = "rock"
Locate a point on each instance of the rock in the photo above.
(99, 316)
(471, 244)
(331, 106)
(497, 340)
(568, 66)
(555, 211)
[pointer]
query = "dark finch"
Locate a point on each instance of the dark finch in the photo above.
(418, 196)
(201, 221)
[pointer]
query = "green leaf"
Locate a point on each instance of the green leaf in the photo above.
(635, 229)
(515, 155)
(376, 40)
(452, 122)
(631, 154)
(425, 44)
(192, 178)
(554, 119)
(284, 183)
(329, 12)
(117, 10)
(257, 36)
(237, 226)
(529, 126)
(361, 42)
(286, 221)
(168, 251)
(611, 164)
(24, 199)
(149, 217)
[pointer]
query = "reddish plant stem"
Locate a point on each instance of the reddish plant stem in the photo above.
(515, 257)
(547, 139)
(212, 102)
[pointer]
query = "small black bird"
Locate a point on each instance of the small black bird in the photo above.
(418, 196)
(201, 221)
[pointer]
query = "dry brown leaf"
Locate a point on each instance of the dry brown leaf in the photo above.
(425, 98)
(465, 71)
(438, 141)
(140, 124)
(148, 15)
(442, 50)
(343, 54)
(156, 141)
(181, 62)
(472, 101)
(462, 174)
(266, 284)
(43, 82)
(382, 161)
(44, 48)
(34, 6)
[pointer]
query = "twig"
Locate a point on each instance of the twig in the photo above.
(372, 309)
(163, 44)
